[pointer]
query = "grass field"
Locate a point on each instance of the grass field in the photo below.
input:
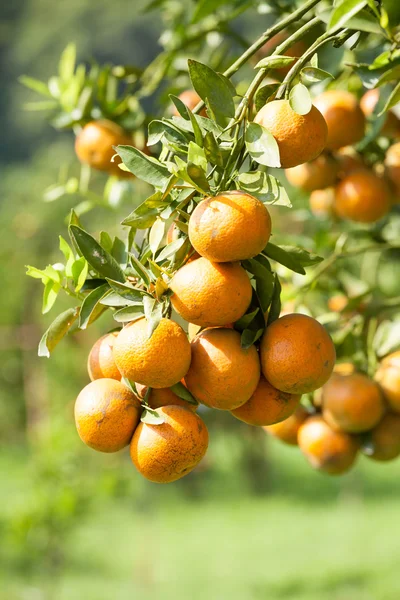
(310, 538)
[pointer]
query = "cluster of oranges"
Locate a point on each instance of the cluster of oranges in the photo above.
(352, 413)
(136, 370)
(339, 181)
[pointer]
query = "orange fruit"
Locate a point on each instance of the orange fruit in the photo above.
(338, 302)
(362, 197)
(333, 452)
(222, 374)
(217, 224)
(348, 160)
(392, 166)
(300, 138)
(94, 146)
(287, 430)
(344, 117)
(101, 361)
(106, 415)
(166, 452)
(318, 174)
(158, 361)
(267, 405)
(162, 397)
(297, 354)
(210, 294)
(322, 203)
(385, 439)
(352, 403)
(391, 125)
(345, 368)
(388, 377)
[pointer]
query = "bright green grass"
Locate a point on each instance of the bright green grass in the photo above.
(312, 538)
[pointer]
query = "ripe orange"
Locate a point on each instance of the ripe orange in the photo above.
(287, 430)
(106, 415)
(344, 117)
(392, 166)
(217, 226)
(322, 203)
(267, 405)
(101, 361)
(333, 452)
(385, 439)
(388, 377)
(391, 125)
(338, 302)
(300, 138)
(162, 397)
(94, 146)
(348, 161)
(190, 98)
(352, 403)
(362, 197)
(222, 374)
(210, 294)
(168, 451)
(159, 361)
(297, 354)
(318, 174)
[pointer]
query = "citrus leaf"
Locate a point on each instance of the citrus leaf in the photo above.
(262, 146)
(292, 257)
(264, 281)
(245, 321)
(300, 99)
(126, 290)
(50, 294)
(214, 89)
(314, 74)
(343, 12)
(140, 269)
(146, 213)
(57, 330)
(264, 94)
(264, 187)
(144, 167)
(275, 61)
(171, 249)
(98, 258)
(128, 314)
(212, 150)
(156, 235)
(34, 84)
(249, 337)
(151, 417)
(275, 306)
(91, 308)
(182, 392)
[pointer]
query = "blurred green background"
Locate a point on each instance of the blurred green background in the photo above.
(254, 521)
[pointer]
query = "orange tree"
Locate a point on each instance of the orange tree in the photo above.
(197, 249)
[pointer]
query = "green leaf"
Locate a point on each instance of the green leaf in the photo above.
(393, 99)
(126, 291)
(300, 99)
(262, 146)
(170, 250)
(50, 294)
(146, 213)
(153, 320)
(144, 167)
(245, 321)
(214, 89)
(264, 93)
(66, 66)
(128, 314)
(275, 306)
(79, 272)
(106, 241)
(180, 107)
(140, 269)
(98, 258)
(151, 417)
(264, 187)
(392, 8)
(34, 84)
(156, 235)
(264, 279)
(160, 129)
(204, 8)
(314, 74)
(182, 392)
(292, 257)
(57, 330)
(119, 252)
(91, 308)
(212, 151)
(249, 337)
(196, 155)
(343, 12)
(69, 256)
(49, 273)
(275, 61)
(198, 176)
